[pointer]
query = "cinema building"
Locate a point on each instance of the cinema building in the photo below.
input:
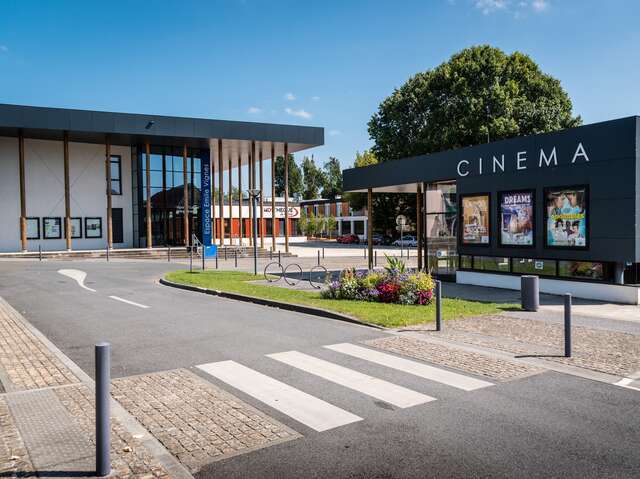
(84, 180)
(564, 206)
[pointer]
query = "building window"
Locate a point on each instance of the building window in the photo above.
(491, 263)
(466, 261)
(545, 267)
(583, 270)
(116, 175)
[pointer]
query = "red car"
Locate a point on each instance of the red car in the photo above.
(348, 239)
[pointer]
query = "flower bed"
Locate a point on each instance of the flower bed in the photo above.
(395, 285)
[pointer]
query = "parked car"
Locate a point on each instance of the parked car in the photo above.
(407, 241)
(348, 239)
(380, 239)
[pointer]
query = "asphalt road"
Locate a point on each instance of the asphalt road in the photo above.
(548, 425)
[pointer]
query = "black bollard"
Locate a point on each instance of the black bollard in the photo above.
(225, 254)
(191, 260)
(107, 253)
(438, 305)
(103, 428)
(40, 252)
(169, 254)
(318, 257)
(323, 252)
(567, 325)
(203, 252)
(279, 261)
(216, 260)
(375, 258)
(236, 258)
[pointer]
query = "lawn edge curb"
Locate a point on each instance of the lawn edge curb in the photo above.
(298, 308)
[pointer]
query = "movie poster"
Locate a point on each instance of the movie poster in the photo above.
(566, 217)
(516, 218)
(475, 219)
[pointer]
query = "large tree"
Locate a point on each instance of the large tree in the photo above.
(480, 94)
(333, 178)
(313, 180)
(366, 158)
(295, 177)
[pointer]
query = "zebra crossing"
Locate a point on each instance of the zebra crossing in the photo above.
(319, 414)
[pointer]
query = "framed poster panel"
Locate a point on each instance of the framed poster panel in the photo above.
(52, 228)
(516, 214)
(76, 228)
(33, 228)
(566, 212)
(93, 227)
(474, 213)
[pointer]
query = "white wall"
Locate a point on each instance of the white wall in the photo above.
(44, 177)
(580, 289)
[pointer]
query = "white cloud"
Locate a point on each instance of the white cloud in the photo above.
(254, 110)
(299, 113)
(335, 132)
(490, 6)
(4, 48)
(539, 5)
(315, 98)
(289, 96)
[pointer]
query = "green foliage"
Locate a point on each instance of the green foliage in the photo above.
(366, 158)
(333, 178)
(295, 177)
(314, 179)
(330, 224)
(394, 266)
(480, 94)
(308, 224)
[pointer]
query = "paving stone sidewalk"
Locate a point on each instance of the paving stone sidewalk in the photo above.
(609, 352)
(456, 358)
(195, 420)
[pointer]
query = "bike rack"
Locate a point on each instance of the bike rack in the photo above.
(286, 280)
(266, 276)
(317, 268)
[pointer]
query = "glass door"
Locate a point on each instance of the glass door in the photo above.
(441, 229)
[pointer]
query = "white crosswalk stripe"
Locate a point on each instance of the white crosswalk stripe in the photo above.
(383, 390)
(305, 408)
(415, 368)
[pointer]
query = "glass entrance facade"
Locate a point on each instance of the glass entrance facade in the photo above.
(166, 170)
(441, 228)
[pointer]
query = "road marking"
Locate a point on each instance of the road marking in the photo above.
(425, 371)
(76, 275)
(624, 382)
(305, 408)
(132, 303)
(385, 391)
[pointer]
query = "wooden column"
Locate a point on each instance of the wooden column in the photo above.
(419, 226)
(67, 193)
(185, 178)
(370, 228)
(220, 192)
(286, 197)
(230, 198)
(261, 222)
(23, 193)
(251, 186)
(107, 166)
(273, 197)
(148, 195)
(240, 227)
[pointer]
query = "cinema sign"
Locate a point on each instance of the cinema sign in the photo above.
(522, 161)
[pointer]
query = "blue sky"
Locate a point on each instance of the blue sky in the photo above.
(324, 63)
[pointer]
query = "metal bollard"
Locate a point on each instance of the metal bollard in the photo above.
(375, 258)
(271, 255)
(318, 257)
(203, 254)
(567, 325)
(216, 260)
(103, 428)
(169, 254)
(236, 258)
(107, 253)
(530, 293)
(323, 252)
(438, 305)
(279, 261)
(191, 260)
(40, 252)
(225, 254)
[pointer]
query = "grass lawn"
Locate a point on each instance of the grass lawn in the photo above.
(387, 315)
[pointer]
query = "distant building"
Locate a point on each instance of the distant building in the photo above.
(348, 220)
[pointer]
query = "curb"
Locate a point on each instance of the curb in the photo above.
(298, 308)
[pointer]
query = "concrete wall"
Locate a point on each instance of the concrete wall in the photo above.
(44, 170)
(598, 291)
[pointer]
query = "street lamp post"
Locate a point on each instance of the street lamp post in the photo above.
(254, 194)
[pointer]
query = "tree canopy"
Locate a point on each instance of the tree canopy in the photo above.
(480, 94)
(295, 177)
(314, 179)
(333, 178)
(366, 158)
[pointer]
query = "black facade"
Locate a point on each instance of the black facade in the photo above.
(603, 157)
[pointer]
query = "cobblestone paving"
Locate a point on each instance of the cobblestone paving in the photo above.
(26, 361)
(196, 421)
(129, 458)
(605, 351)
(14, 459)
(456, 358)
